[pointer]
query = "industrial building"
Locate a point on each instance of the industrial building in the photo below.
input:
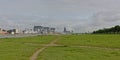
(14, 31)
(3, 31)
(44, 30)
(67, 31)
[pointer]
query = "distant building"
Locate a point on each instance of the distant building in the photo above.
(3, 31)
(52, 30)
(44, 30)
(67, 31)
(13, 31)
(38, 29)
(28, 31)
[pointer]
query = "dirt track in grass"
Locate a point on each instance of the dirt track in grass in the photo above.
(53, 43)
(38, 52)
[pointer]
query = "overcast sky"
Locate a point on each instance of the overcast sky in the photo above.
(78, 15)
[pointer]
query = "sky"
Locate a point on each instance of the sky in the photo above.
(77, 15)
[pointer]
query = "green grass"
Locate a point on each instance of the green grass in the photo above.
(16, 49)
(13, 51)
(35, 39)
(112, 41)
(73, 53)
(23, 48)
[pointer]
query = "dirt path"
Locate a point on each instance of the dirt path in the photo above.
(35, 55)
(52, 43)
(106, 48)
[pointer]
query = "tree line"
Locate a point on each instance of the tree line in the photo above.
(112, 30)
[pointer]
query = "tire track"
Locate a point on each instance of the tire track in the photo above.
(38, 52)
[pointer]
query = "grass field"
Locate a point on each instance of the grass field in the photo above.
(70, 47)
(74, 53)
(108, 48)
(105, 40)
(21, 48)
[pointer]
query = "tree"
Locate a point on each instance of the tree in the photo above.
(115, 29)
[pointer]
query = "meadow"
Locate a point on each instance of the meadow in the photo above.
(75, 53)
(21, 48)
(67, 47)
(97, 40)
(84, 47)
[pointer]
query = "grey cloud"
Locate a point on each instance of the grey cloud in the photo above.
(99, 20)
(105, 19)
(60, 13)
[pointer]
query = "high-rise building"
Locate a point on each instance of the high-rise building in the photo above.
(65, 29)
(44, 30)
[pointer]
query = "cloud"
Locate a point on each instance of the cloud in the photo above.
(99, 20)
(81, 15)
(104, 19)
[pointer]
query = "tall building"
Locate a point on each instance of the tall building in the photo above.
(38, 29)
(65, 29)
(44, 30)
